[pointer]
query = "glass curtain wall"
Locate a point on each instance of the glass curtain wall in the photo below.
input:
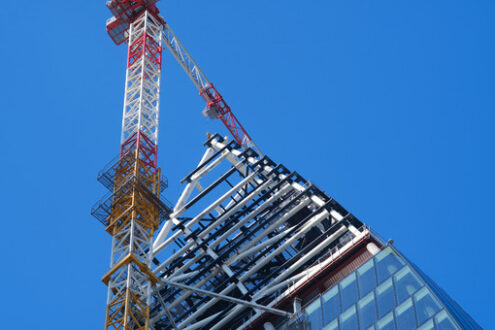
(383, 293)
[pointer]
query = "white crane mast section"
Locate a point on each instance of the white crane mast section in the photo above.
(142, 87)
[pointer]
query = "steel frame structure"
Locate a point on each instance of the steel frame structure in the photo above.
(229, 249)
(243, 231)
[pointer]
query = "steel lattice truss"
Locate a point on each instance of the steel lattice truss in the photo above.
(216, 107)
(184, 58)
(242, 231)
(142, 89)
(134, 210)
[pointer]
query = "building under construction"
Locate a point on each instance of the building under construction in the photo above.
(250, 243)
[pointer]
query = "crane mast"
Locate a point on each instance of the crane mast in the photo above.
(134, 209)
(134, 206)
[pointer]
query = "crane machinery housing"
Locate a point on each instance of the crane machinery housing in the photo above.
(249, 244)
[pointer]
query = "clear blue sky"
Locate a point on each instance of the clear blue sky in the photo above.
(386, 105)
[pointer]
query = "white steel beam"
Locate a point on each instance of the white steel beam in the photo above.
(227, 298)
(210, 208)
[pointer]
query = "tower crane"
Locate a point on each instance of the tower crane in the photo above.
(134, 210)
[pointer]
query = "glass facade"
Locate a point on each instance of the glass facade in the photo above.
(386, 292)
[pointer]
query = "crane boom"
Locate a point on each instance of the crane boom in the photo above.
(216, 107)
(184, 58)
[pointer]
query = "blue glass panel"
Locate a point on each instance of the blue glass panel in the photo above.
(386, 323)
(459, 314)
(348, 290)
(348, 319)
(428, 325)
(387, 263)
(334, 325)
(426, 305)
(404, 315)
(331, 304)
(385, 298)
(367, 311)
(313, 314)
(406, 283)
(444, 322)
(366, 278)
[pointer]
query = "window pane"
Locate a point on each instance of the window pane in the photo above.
(348, 319)
(331, 304)
(332, 325)
(404, 315)
(427, 326)
(386, 323)
(366, 278)
(385, 298)
(444, 322)
(406, 283)
(313, 314)
(348, 291)
(387, 263)
(367, 311)
(426, 305)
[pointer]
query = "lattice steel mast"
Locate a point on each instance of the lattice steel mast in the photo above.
(132, 213)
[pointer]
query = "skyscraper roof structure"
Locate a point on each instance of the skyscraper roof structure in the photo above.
(251, 244)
